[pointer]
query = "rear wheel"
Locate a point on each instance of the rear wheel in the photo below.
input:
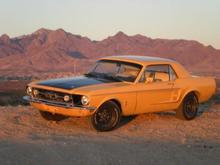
(107, 117)
(52, 117)
(189, 107)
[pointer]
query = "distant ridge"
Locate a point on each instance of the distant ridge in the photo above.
(58, 51)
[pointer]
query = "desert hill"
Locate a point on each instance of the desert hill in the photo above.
(48, 51)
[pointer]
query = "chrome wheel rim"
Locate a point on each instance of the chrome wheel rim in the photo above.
(106, 117)
(191, 107)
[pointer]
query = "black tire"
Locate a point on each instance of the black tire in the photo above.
(189, 107)
(52, 117)
(107, 117)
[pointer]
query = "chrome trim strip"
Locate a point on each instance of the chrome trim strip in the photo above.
(55, 103)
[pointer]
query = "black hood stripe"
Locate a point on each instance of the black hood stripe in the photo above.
(74, 82)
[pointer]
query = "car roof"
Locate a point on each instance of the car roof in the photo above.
(138, 59)
(148, 60)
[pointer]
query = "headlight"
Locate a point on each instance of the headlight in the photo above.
(85, 100)
(29, 90)
(66, 98)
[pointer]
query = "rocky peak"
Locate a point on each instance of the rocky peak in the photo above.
(5, 39)
(42, 31)
(57, 35)
(121, 34)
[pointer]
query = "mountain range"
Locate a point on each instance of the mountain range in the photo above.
(53, 51)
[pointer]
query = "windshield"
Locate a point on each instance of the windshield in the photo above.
(115, 70)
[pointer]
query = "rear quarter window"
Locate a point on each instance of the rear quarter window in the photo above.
(158, 73)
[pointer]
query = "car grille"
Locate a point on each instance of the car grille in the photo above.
(52, 96)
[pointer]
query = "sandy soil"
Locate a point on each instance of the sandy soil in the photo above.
(25, 138)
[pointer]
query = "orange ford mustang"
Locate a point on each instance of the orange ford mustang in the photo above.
(122, 86)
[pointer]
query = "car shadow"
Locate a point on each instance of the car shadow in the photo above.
(125, 120)
(205, 107)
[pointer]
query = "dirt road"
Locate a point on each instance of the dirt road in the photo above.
(25, 138)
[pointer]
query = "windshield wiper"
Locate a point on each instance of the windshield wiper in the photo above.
(101, 75)
(112, 77)
(91, 74)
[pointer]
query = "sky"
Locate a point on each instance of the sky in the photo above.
(171, 19)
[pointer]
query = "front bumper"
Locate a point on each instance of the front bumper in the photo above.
(59, 108)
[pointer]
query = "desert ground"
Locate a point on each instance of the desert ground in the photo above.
(161, 138)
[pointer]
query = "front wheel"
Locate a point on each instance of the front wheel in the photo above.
(107, 117)
(189, 107)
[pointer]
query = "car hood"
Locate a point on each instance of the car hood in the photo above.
(73, 82)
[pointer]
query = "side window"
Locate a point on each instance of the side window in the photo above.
(158, 73)
(173, 75)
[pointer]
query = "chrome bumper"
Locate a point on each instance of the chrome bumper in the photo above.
(55, 103)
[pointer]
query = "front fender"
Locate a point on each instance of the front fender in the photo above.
(127, 101)
(99, 100)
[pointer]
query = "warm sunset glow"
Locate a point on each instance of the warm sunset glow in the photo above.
(189, 19)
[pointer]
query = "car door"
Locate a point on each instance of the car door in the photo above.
(155, 89)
